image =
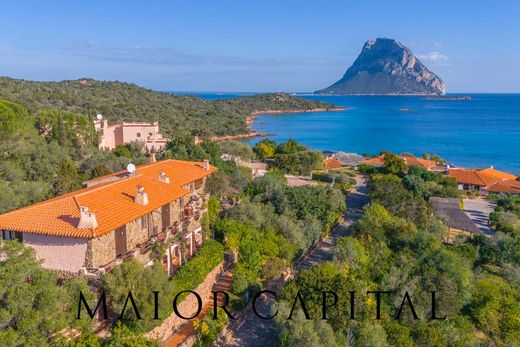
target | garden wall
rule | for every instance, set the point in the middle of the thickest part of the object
(187, 307)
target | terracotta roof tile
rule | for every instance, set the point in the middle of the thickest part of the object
(408, 159)
(112, 202)
(466, 176)
(491, 175)
(376, 161)
(478, 177)
(506, 186)
(332, 163)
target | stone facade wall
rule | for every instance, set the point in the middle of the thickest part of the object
(134, 234)
(194, 225)
(201, 188)
(101, 250)
(175, 210)
(170, 324)
(155, 219)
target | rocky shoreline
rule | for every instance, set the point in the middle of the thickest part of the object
(465, 97)
(251, 119)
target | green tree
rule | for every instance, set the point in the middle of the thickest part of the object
(265, 148)
(35, 305)
(68, 178)
(494, 307)
(393, 164)
(14, 120)
(291, 146)
(243, 150)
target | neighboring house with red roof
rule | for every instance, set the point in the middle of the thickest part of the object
(504, 187)
(408, 159)
(117, 217)
(485, 181)
(331, 163)
(349, 159)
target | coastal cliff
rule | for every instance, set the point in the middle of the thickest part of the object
(387, 67)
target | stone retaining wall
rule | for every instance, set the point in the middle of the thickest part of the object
(187, 307)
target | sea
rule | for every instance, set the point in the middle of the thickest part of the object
(481, 132)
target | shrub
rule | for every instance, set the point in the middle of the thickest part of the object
(366, 169)
(322, 177)
(243, 150)
(265, 149)
(195, 271)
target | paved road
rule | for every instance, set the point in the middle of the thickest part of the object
(356, 200)
(478, 211)
(255, 332)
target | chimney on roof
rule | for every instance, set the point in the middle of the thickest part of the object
(87, 220)
(141, 197)
(206, 165)
(163, 177)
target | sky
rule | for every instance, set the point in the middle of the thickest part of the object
(255, 46)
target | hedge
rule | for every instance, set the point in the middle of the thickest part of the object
(195, 271)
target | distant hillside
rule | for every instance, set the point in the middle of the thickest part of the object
(119, 101)
(386, 66)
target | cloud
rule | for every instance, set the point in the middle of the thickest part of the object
(170, 56)
(437, 45)
(434, 58)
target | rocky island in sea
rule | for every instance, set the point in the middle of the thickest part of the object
(386, 67)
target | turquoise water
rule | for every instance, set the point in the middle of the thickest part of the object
(479, 132)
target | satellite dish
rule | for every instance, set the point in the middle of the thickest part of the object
(131, 168)
(99, 116)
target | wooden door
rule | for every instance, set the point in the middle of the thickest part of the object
(120, 236)
(165, 212)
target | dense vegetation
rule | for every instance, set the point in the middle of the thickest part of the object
(273, 225)
(34, 302)
(342, 180)
(396, 247)
(289, 157)
(39, 308)
(51, 152)
(119, 101)
(502, 253)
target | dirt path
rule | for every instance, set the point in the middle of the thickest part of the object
(251, 331)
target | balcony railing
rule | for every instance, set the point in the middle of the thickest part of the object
(174, 229)
(146, 246)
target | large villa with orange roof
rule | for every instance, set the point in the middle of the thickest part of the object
(117, 217)
(485, 181)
